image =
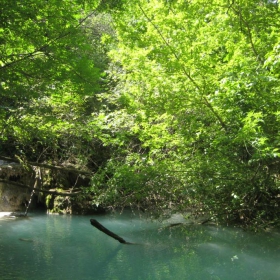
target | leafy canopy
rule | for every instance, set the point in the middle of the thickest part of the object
(198, 87)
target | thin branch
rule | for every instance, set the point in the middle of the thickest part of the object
(48, 166)
(42, 48)
(34, 189)
(26, 56)
(249, 33)
(188, 75)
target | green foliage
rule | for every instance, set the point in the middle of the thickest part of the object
(51, 63)
(198, 86)
(174, 104)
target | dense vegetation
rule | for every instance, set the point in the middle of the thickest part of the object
(174, 105)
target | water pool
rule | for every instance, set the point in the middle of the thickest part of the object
(69, 247)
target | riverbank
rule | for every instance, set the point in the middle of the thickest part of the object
(5, 214)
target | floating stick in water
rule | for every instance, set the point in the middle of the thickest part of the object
(26, 240)
(108, 232)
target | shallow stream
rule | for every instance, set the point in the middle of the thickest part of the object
(69, 247)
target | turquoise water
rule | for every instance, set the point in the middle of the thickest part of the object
(68, 247)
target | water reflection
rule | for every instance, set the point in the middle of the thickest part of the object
(68, 247)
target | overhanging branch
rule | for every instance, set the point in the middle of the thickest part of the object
(43, 47)
(48, 166)
(38, 190)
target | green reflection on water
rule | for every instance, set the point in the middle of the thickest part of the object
(68, 247)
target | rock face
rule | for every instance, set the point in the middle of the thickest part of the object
(12, 198)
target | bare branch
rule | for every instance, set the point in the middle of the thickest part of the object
(48, 166)
(38, 190)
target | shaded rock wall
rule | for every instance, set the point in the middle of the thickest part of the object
(13, 198)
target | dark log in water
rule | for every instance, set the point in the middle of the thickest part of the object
(26, 240)
(17, 215)
(108, 232)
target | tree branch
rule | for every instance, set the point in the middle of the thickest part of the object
(249, 33)
(36, 189)
(42, 48)
(187, 74)
(108, 232)
(48, 166)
